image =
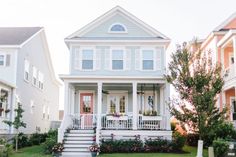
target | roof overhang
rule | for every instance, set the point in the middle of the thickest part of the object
(227, 38)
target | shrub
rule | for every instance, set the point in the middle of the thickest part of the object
(23, 141)
(220, 147)
(7, 148)
(37, 139)
(192, 139)
(178, 142)
(157, 145)
(112, 146)
(225, 131)
(51, 140)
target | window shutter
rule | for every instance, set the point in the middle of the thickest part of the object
(158, 58)
(97, 60)
(77, 59)
(8, 59)
(138, 59)
(127, 59)
(107, 59)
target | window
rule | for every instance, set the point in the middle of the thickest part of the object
(147, 60)
(44, 111)
(41, 79)
(2, 60)
(3, 102)
(117, 103)
(32, 106)
(26, 72)
(48, 111)
(35, 73)
(87, 59)
(117, 60)
(117, 28)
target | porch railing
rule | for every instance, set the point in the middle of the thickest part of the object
(229, 73)
(149, 122)
(84, 121)
(117, 123)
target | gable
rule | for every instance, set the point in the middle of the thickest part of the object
(103, 29)
(99, 28)
(231, 24)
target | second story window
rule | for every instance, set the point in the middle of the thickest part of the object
(35, 73)
(41, 80)
(26, 70)
(44, 111)
(117, 59)
(87, 59)
(147, 60)
(2, 60)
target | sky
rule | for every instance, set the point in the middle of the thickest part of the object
(180, 20)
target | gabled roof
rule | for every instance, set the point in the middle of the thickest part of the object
(225, 23)
(78, 34)
(16, 35)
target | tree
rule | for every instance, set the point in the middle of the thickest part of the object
(198, 82)
(17, 123)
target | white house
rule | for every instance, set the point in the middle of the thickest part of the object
(116, 82)
(27, 76)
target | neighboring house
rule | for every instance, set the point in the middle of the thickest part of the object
(27, 77)
(222, 44)
(116, 82)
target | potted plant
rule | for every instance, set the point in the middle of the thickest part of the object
(94, 149)
(57, 149)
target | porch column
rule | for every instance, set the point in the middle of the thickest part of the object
(66, 99)
(135, 106)
(162, 105)
(13, 106)
(99, 111)
(234, 52)
(167, 110)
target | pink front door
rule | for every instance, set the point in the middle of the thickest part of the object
(86, 110)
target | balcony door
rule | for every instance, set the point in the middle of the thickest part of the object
(86, 110)
(118, 103)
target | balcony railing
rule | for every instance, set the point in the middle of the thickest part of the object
(229, 73)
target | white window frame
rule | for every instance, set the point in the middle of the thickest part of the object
(36, 77)
(154, 58)
(124, 58)
(117, 94)
(40, 80)
(4, 59)
(26, 70)
(94, 57)
(6, 104)
(119, 32)
(44, 111)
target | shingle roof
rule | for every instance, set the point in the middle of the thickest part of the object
(16, 35)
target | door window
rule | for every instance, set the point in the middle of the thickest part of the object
(117, 103)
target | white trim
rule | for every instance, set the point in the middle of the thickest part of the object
(231, 107)
(124, 58)
(110, 13)
(4, 59)
(224, 23)
(118, 32)
(226, 39)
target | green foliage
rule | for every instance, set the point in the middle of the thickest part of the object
(225, 131)
(198, 82)
(157, 145)
(37, 139)
(51, 140)
(23, 141)
(178, 141)
(192, 140)
(6, 150)
(220, 147)
(112, 146)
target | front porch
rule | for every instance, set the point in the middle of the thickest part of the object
(119, 107)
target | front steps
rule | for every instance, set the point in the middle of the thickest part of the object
(77, 143)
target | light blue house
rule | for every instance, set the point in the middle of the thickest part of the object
(116, 82)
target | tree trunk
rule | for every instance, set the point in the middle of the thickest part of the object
(16, 140)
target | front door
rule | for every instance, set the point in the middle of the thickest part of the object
(117, 103)
(86, 110)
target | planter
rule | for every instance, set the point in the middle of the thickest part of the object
(159, 118)
(93, 154)
(117, 118)
(57, 154)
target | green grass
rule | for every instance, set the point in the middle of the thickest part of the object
(192, 153)
(34, 151)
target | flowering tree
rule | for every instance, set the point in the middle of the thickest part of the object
(198, 82)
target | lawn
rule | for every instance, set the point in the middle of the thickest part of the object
(36, 151)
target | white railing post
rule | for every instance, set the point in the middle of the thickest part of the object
(99, 111)
(135, 112)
